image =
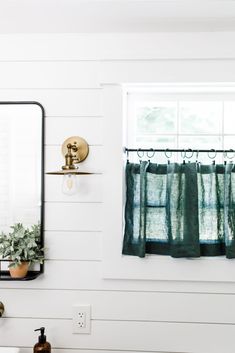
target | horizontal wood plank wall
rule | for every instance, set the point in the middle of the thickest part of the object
(63, 73)
(152, 306)
(123, 335)
(123, 46)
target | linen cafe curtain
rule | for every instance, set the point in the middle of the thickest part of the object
(181, 210)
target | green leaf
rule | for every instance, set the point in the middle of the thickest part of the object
(22, 244)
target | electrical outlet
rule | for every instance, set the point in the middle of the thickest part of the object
(81, 319)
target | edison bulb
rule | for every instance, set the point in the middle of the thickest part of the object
(69, 185)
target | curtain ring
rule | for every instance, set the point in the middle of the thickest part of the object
(192, 153)
(153, 153)
(226, 154)
(166, 151)
(138, 153)
(215, 153)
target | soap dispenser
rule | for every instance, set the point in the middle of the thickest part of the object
(42, 346)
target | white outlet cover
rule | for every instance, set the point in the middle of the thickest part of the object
(81, 319)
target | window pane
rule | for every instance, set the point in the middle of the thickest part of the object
(229, 142)
(200, 142)
(156, 118)
(200, 117)
(155, 141)
(229, 117)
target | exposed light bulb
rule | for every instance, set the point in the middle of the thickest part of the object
(69, 185)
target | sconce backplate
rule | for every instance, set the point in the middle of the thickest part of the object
(80, 143)
(1, 309)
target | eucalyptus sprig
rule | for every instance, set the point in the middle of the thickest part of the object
(22, 244)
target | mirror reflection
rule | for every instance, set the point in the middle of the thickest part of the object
(21, 129)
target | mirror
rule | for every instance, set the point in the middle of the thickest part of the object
(21, 164)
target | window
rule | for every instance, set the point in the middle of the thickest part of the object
(182, 210)
(160, 268)
(184, 117)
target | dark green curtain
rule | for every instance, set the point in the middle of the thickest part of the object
(181, 210)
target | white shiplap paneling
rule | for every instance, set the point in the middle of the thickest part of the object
(119, 335)
(73, 245)
(90, 128)
(176, 307)
(87, 275)
(168, 71)
(73, 216)
(60, 102)
(49, 75)
(121, 46)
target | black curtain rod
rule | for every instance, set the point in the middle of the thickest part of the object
(175, 150)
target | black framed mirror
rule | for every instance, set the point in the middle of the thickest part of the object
(21, 172)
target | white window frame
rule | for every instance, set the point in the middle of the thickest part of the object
(152, 267)
(138, 97)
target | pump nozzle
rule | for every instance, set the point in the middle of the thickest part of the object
(42, 337)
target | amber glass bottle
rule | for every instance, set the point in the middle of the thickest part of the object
(42, 346)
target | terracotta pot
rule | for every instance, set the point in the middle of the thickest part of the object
(19, 271)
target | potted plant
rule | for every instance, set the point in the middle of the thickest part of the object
(22, 247)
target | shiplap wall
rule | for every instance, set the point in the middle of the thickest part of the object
(64, 73)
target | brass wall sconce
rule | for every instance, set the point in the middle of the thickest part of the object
(1, 309)
(75, 150)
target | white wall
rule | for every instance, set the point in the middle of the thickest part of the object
(64, 73)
